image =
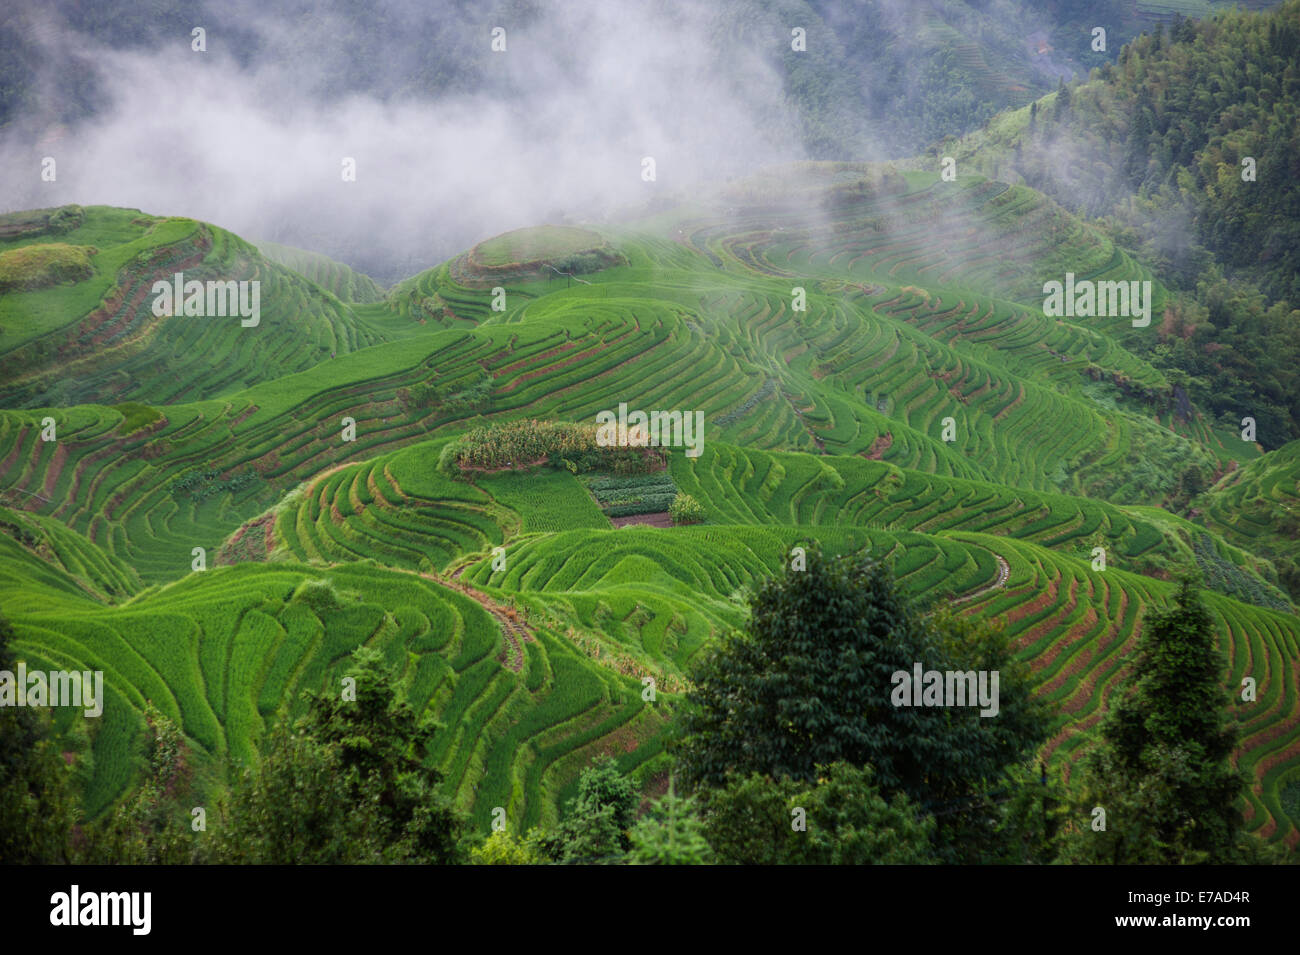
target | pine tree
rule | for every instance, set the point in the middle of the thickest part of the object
(1062, 100)
(1163, 774)
(671, 833)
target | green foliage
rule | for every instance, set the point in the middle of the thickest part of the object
(810, 682)
(686, 510)
(502, 848)
(37, 803)
(31, 267)
(1228, 578)
(533, 244)
(448, 465)
(198, 486)
(299, 808)
(473, 394)
(1032, 816)
(845, 820)
(154, 825)
(671, 833)
(350, 782)
(596, 822)
(1258, 507)
(36, 222)
(136, 416)
(73, 328)
(1162, 773)
(906, 324)
(524, 444)
(1157, 144)
(320, 595)
(640, 494)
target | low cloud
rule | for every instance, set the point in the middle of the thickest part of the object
(581, 95)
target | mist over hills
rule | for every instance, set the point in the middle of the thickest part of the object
(454, 142)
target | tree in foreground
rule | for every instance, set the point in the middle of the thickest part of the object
(671, 833)
(1163, 774)
(596, 823)
(37, 806)
(154, 825)
(349, 782)
(839, 819)
(810, 683)
(298, 807)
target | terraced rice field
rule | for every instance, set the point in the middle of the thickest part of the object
(867, 382)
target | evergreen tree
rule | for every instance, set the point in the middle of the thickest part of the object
(380, 739)
(1162, 773)
(596, 823)
(1062, 100)
(671, 833)
(811, 683)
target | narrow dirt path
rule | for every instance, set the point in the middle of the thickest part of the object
(513, 628)
(1004, 572)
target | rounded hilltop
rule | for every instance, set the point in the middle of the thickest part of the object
(537, 251)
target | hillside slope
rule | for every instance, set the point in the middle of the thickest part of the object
(98, 337)
(870, 358)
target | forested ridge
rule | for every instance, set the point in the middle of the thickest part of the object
(1187, 149)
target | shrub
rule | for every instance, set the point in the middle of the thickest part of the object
(32, 267)
(422, 394)
(318, 595)
(686, 510)
(448, 460)
(66, 218)
(501, 848)
(473, 393)
(849, 821)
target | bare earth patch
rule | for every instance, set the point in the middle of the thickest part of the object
(653, 519)
(879, 447)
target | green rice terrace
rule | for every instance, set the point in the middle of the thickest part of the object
(417, 470)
